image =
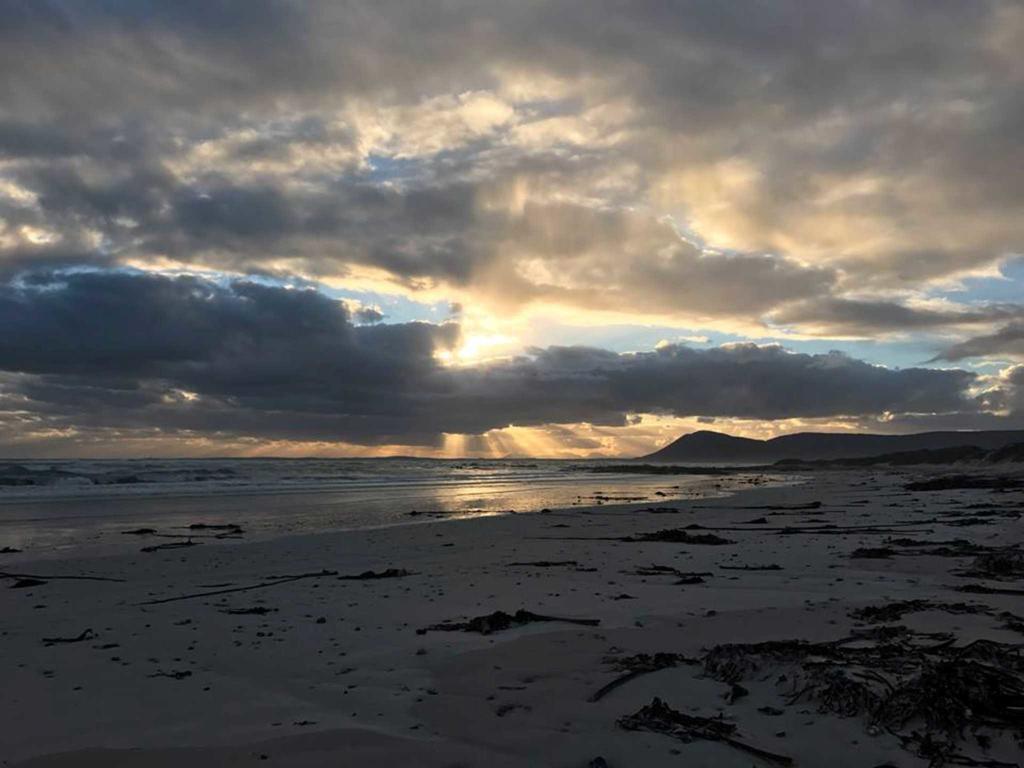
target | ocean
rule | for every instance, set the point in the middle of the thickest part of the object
(83, 507)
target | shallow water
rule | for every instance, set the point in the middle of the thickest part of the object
(82, 507)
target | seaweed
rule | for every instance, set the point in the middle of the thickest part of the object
(872, 553)
(641, 664)
(956, 482)
(269, 583)
(499, 621)
(680, 536)
(1001, 563)
(659, 717)
(170, 545)
(896, 610)
(939, 689)
(768, 567)
(389, 573)
(684, 577)
(85, 634)
(257, 610)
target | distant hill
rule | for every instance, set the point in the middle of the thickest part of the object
(959, 454)
(708, 446)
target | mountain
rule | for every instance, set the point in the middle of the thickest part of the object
(708, 446)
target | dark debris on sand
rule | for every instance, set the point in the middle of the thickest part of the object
(956, 482)
(1001, 563)
(768, 567)
(173, 674)
(499, 621)
(257, 610)
(25, 583)
(389, 573)
(927, 693)
(897, 610)
(680, 536)
(659, 717)
(682, 577)
(170, 545)
(86, 634)
(638, 665)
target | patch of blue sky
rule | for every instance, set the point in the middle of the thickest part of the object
(395, 308)
(382, 169)
(1009, 287)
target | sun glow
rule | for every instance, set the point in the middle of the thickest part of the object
(477, 348)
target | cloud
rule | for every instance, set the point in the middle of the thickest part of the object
(1007, 341)
(90, 351)
(817, 168)
(867, 317)
(510, 153)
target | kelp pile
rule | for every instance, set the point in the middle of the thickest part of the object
(923, 688)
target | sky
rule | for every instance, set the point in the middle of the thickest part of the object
(447, 228)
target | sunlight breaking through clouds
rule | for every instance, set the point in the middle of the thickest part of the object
(824, 176)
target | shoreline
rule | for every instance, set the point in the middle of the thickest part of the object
(88, 533)
(363, 687)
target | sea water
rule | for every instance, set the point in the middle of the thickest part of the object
(84, 506)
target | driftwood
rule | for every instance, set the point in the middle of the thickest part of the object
(500, 621)
(263, 585)
(659, 717)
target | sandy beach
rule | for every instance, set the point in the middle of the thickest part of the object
(329, 669)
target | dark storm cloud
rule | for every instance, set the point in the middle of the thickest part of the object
(1007, 341)
(237, 339)
(125, 351)
(741, 381)
(859, 316)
